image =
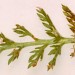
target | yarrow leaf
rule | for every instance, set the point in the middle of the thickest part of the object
(55, 43)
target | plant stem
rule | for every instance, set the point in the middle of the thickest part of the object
(38, 42)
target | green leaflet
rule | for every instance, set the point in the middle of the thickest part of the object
(37, 54)
(6, 40)
(23, 31)
(14, 55)
(55, 51)
(46, 21)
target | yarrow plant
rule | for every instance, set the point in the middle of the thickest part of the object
(55, 43)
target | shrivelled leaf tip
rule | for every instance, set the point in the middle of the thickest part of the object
(50, 66)
(65, 8)
(72, 54)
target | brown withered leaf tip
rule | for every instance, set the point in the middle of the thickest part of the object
(73, 53)
(50, 66)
